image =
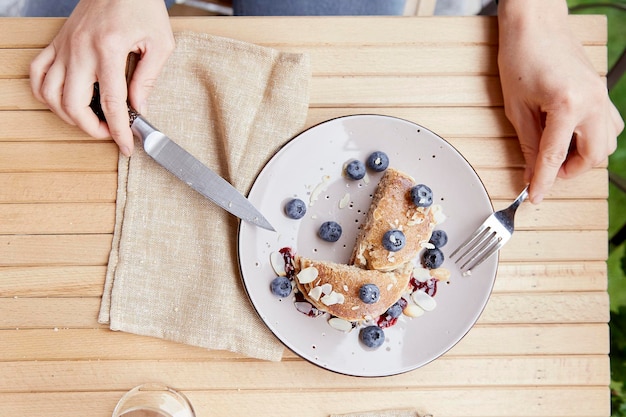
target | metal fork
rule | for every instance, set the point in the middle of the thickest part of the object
(488, 238)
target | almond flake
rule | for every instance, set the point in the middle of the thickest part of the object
(307, 275)
(332, 299)
(340, 324)
(412, 310)
(278, 263)
(315, 293)
(421, 274)
(424, 300)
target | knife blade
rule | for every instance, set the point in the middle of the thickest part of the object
(188, 168)
(194, 173)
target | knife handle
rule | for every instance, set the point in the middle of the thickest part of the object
(96, 106)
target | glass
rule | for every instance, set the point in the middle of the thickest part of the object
(153, 400)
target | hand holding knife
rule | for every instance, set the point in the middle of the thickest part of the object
(187, 168)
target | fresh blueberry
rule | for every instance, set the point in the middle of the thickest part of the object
(369, 293)
(378, 161)
(330, 231)
(295, 209)
(432, 258)
(422, 195)
(394, 240)
(439, 238)
(355, 170)
(281, 287)
(394, 311)
(372, 336)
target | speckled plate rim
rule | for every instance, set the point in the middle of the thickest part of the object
(409, 343)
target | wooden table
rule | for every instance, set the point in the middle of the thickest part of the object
(539, 349)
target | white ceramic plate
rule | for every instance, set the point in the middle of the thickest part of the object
(316, 157)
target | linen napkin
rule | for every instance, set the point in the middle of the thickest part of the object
(385, 413)
(173, 269)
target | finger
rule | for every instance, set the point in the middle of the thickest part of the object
(113, 100)
(528, 128)
(145, 76)
(39, 68)
(52, 91)
(553, 149)
(77, 95)
(590, 147)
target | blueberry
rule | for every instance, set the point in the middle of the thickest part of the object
(422, 195)
(355, 170)
(394, 240)
(281, 287)
(372, 336)
(394, 311)
(330, 231)
(432, 258)
(439, 238)
(295, 209)
(378, 161)
(369, 293)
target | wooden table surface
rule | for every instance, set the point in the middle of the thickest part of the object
(539, 349)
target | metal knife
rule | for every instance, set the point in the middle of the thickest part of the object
(188, 169)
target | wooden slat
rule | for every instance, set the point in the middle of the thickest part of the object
(101, 187)
(103, 344)
(331, 90)
(458, 372)
(42, 250)
(72, 218)
(334, 60)
(476, 122)
(433, 91)
(88, 281)
(551, 276)
(51, 281)
(507, 401)
(537, 246)
(539, 308)
(507, 185)
(58, 187)
(15, 63)
(37, 125)
(57, 218)
(528, 246)
(31, 33)
(63, 156)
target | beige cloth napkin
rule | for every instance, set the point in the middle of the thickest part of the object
(173, 270)
(385, 413)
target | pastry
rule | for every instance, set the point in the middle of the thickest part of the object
(392, 209)
(335, 288)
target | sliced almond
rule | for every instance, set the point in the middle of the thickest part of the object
(307, 275)
(412, 310)
(278, 263)
(332, 299)
(424, 300)
(340, 324)
(421, 274)
(315, 293)
(442, 274)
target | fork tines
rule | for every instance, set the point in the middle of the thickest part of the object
(480, 246)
